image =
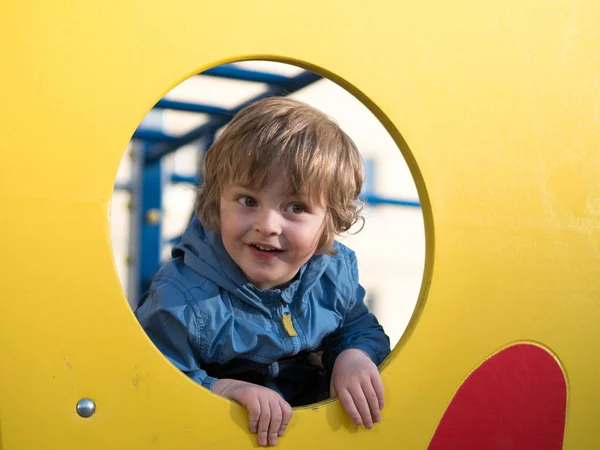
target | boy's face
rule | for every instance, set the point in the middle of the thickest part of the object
(270, 233)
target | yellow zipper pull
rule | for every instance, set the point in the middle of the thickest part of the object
(288, 325)
(286, 318)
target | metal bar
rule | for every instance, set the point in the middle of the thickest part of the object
(191, 107)
(377, 200)
(301, 80)
(176, 178)
(237, 73)
(369, 184)
(162, 149)
(150, 135)
(150, 219)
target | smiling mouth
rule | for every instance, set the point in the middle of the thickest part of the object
(266, 249)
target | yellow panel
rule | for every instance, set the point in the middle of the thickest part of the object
(499, 105)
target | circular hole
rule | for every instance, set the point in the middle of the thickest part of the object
(155, 187)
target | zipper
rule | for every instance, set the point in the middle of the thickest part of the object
(288, 325)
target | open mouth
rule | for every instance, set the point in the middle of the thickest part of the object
(263, 248)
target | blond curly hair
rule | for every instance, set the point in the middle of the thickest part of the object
(305, 146)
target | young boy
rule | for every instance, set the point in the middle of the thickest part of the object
(258, 288)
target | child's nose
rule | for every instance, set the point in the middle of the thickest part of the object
(268, 222)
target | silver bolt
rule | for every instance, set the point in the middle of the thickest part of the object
(85, 407)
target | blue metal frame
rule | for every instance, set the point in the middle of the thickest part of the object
(154, 144)
(372, 199)
(237, 73)
(171, 144)
(191, 107)
(150, 219)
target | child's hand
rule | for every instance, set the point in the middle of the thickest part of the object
(268, 413)
(356, 382)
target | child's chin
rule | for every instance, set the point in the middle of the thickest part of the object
(265, 282)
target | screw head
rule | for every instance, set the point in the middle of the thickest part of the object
(85, 407)
(153, 216)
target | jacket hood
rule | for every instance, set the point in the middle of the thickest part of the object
(204, 253)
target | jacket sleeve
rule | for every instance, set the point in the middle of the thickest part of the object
(360, 329)
(172, 325)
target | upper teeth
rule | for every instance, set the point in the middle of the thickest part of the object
(268, 249)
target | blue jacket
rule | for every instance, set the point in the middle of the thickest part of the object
(204, 315)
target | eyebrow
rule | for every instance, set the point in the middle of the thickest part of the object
(240, 187)
(301, 197)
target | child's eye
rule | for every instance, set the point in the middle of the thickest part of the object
(296, 208)
(247, 201)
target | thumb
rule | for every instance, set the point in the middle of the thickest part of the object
(332, 391)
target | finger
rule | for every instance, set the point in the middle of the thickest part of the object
(253, 408)
(332, 390)
(378, 386)
(360, 401)
(263, 422)
(348, 404)
(287, 411)
(276, 419)
(372, 400)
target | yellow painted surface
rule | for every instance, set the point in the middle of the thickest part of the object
(495, 105)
